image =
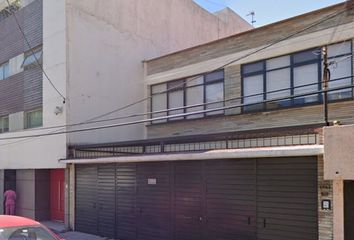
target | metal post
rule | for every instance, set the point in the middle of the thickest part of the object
(325, 84)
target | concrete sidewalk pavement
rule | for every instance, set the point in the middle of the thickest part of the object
(60, 229)
(79, 236)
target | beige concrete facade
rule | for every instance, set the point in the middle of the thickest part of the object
(337, 163)
(338, 210)
(339, 152)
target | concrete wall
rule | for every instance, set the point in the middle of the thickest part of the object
(25, 189)
(44, 152)
(325, 192)
(339, 152)
(33, 198)
(107, 42)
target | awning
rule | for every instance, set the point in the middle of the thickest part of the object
(265, 152)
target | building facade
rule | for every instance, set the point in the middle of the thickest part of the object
(91, 52)
(237, 144)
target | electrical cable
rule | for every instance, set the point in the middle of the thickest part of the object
(33, 53)
(176, 115)
(188, 106)
(326, 18)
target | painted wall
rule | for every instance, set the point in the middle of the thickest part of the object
(43, 152)
(107, 43)
(339, 152)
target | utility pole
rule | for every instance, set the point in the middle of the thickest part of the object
(326, 76)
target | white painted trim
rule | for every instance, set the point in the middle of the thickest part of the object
(295, 44)
(287, 151)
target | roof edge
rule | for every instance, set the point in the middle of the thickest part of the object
(252, 30)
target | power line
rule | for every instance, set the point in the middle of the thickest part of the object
(178, 115)
(327, 17)
(188, 106)
(33, 53)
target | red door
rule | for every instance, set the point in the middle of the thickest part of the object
(57, 194)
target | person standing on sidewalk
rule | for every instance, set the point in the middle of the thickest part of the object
(10, 202)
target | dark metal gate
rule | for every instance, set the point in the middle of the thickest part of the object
(153, 201)
(189, 213)
(199, 200)
(86, 199)
(349, 210)
(287, 199)
(231, 200)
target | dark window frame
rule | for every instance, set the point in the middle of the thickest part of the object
(185, 88)
(292, 66)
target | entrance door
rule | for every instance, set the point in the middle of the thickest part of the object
(57, 194)
(10, 180)
(188, 189)
(349, 210)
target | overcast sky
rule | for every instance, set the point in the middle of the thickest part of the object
(267, 11)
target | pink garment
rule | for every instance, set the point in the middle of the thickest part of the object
(10, 202)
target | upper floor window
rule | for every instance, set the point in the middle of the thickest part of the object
(296, 74)
(33, 119)
(187, 96)
(4, 71)
(31, 58)
(4, 124)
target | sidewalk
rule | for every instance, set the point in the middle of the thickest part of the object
(61, 231)
(79, 236)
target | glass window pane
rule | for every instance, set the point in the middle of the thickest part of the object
(340, 70)
(214, 92)
(158, 88)
(193, 81)
(253, 92)
(277, 80)
(253, 67)
(31, 58)
(214, 76)
(175, 100)
(159, 102)
(195, 95)
(6, 70)
(1, 72)
(278, 62)
(339, 49)
(304, 75)
(307, 56)
(6, 124)
(175, 85)
(34, 119)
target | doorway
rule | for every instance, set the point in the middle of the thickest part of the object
(57, 194)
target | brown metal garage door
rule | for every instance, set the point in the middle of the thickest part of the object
(287, 199)
(265, 199)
